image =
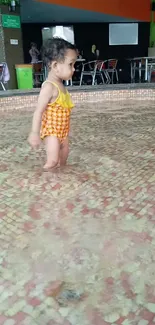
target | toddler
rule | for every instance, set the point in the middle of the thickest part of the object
(51, 119)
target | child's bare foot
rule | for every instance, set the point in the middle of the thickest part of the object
(50, 167)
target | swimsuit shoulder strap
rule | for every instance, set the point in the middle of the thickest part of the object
(52, 82)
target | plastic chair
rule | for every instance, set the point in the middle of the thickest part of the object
(102, 68)
(77, 73)
(2, 68)
(112, 68)
(92, 69)
(38, 73)
(151, 69)
(68, 82)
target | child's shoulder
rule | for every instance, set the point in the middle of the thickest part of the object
(48, 84)
(50, 87)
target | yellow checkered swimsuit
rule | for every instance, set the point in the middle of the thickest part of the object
(56, 117)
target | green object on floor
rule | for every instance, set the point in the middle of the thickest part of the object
(24, 75)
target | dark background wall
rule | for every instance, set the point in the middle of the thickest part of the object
(96, 33)
(13, 53)
(88, 34)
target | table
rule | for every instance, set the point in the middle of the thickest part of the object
(146, 59)
(80, 60)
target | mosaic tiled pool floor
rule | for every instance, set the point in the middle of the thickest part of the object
(78, 245)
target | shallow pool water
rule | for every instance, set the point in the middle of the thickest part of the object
(77, 245)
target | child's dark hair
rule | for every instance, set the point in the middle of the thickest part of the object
(54, 49)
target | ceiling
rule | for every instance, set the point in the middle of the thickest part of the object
(33, 11)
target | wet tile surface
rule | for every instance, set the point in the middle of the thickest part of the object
(77, 245)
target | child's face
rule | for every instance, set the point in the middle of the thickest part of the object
(65, 70)
(34, 46)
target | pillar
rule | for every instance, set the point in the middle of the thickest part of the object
(2, 44)
(152, 28)
(11, 47)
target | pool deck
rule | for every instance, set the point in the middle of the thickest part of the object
(78, 245)
(75, 89)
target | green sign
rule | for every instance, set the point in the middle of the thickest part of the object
(11, 21)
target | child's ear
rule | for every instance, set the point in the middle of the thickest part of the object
(54, 65)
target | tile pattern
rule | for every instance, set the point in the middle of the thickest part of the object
(28, 101)
(77, 245)
(142, 89)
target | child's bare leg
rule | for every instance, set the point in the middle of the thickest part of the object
(64, 151)
(52, 144)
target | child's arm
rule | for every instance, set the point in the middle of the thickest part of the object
(43, 100)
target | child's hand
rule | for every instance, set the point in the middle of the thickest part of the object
(34, 140)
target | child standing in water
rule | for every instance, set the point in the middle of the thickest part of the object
(51, 120)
